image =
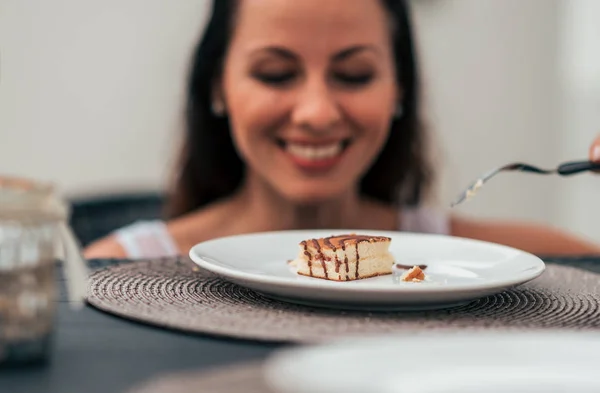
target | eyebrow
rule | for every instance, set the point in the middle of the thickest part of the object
(353, 50)
(342, 55)
(277, 50)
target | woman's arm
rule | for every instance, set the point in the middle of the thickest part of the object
(107, 247)
(533, 238)
(536, 239)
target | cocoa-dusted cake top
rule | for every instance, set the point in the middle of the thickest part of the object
(341, 241)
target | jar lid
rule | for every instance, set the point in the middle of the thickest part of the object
(24, 199)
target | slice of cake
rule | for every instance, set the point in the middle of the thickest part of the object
(345, 257)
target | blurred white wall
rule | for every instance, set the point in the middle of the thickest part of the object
(91, 95)
(579, 81)
(490, 85)
(91, 90)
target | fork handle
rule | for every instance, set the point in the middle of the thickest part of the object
(574, 167)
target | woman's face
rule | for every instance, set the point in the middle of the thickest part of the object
(310, 90)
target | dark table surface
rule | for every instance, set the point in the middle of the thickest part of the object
(95, 352)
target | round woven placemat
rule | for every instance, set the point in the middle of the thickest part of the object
(176, 294)
(241, 378)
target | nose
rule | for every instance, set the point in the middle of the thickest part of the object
(316, 109)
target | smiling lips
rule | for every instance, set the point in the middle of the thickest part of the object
(312, 156)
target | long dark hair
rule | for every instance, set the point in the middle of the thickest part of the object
(209, 167)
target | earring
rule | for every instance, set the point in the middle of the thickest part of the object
(218, 108)
(399, 111)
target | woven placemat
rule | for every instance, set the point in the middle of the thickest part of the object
(240, 378)
(175, 294)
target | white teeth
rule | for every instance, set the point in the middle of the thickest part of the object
(313, 152)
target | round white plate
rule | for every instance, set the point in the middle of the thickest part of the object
(550, 362)
(458, 270)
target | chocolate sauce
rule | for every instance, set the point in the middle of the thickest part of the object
(320, 256)
(408, 267)
(329, 244)
(357, 258)
(341, 243)
(305, 245)
(346, 261)
(341, 239)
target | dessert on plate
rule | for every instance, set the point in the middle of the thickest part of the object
(345, 257)
(414, 274)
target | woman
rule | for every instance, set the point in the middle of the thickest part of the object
(304, 114)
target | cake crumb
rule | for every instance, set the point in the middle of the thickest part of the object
(415, 275)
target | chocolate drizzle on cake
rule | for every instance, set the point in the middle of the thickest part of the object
(328, 251)
(357, 259)
(346, 261)
(320, 256)
(341, 240)
(329, 244)
(305, 245)
(408, 267)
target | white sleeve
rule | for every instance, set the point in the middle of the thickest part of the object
(147, 239)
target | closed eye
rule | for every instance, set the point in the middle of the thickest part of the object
(360, 79)
(275, 78)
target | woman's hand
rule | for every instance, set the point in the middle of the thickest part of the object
(595, 150)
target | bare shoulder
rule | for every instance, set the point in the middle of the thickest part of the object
(107, 247)
(531, 237)
(201, 225)
(184, 231)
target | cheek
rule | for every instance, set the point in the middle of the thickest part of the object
(372, 113)
(254, 113)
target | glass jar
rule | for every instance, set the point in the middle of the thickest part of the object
(33, 235)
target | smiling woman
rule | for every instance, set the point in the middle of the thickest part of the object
(306, 100)
(304, 114)
(308, 84)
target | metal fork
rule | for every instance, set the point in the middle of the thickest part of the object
(565, 169)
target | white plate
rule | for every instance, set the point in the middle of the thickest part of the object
(549, 362)
(459, 270)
